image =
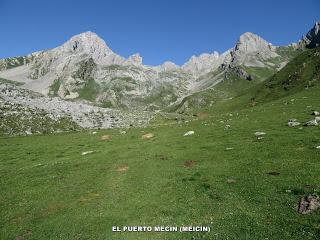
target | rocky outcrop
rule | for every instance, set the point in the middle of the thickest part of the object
(81, 113)
(252, 51)
(135, 60)
(312, 38)
(203, 63)
(168, 66)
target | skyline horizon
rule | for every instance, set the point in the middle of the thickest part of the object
(159, 32)
(168, 60)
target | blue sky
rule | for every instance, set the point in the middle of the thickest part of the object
(159, 30)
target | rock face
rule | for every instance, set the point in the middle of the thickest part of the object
(203, 63)
(90, 44)
(168, 66)
(312, 38)
(251, 51)
(135, 60)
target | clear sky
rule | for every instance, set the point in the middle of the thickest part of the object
(159, 30)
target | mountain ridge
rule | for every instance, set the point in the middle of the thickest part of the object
(84, 67)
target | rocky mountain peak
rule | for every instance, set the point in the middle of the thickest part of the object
(134, 59)
(168, 66)
(251, 42)
(202, 63)
(91, 44)
(87, 42)
(251, 50)
(312, 38)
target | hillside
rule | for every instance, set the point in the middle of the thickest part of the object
(222, 177)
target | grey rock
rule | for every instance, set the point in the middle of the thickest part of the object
(293, 122)
(312, 38)
(312, 122)
(309, 204)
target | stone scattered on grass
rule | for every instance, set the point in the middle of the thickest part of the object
(94, 133)
(227, 127)
(229, 148)
(231, 180)
(123, 132)
(28, 132)
(312, 122)
(122, 168)
(309, 204)
(316, 113)
(106, 137)
(318, 147)
(189, 133)
(293, 122)
(86, 153)
(147, 136)
(259, 134)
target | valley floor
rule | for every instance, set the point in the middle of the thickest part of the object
(222, 177)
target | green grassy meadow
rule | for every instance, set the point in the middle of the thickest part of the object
(49, 190)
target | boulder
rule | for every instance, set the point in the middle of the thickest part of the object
(309, 204)
(259, 134)
(86, 153)
(312, 122)
(189, 133)
(293, 122)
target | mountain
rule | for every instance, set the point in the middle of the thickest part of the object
(87, 77)
(86, 68)
(312, 38)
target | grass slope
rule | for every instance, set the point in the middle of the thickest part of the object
(49, 191)
(301, 73)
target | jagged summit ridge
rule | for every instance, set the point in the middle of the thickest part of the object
(91, 44)
(134, 59)
(202, 63)
(85, 67)
(251, 50)
(312, 38)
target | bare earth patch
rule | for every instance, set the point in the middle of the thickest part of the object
(106, 137)
(147, 136)
(51, 209)
(161, 157)
(24, 236)
(202, 115)
(122, 168)
(189, 163)
(89, 197)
